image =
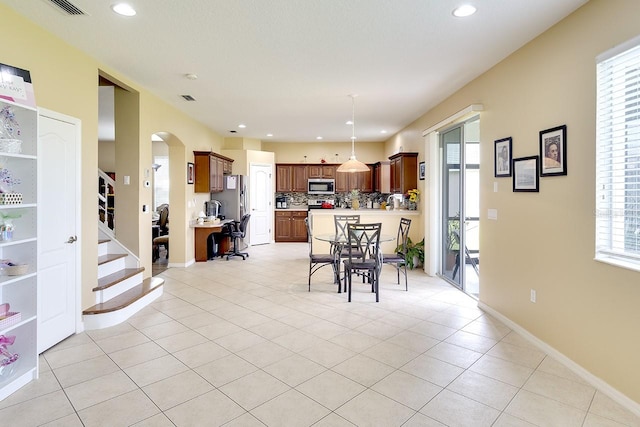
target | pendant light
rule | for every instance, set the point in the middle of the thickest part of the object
(353, 164)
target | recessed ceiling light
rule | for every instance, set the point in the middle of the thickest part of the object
(318, 137)
(349, 122)
(123, 9)
(464, 11)
(241, 126)
(269, 135)
(191, 76)
(383, 131)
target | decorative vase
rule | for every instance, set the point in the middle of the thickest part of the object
(413, 206)
(355, 204)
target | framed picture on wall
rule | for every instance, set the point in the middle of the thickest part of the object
(525, 174)
(502, 157)
(190, 173)
(553, 151)
(421, 171)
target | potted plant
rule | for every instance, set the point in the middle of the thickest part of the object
(415, 253)
(453, 243)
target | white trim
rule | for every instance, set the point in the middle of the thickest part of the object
(596, 382)
(622, 47)
(456, 117)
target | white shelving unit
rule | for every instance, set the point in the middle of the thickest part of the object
(21, 291)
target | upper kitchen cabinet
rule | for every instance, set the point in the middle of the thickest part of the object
(347, 181)
(209, 171)
(322, 171)
(404, 172)
(291, 178)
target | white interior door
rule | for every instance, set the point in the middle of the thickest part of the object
(260, 195)
(58, 220)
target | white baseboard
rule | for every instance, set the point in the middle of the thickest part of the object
(596, 382)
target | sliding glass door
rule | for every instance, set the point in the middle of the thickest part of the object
(460, 148)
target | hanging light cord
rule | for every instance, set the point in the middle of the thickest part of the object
(353, 126)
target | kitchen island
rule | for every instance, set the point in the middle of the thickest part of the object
(321, 221)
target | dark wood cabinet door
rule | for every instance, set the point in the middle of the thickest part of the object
(342, 182)
(328, 171)
(283, 178)
(300, 177)
(315, 171)
(298, 228)
(283, 227)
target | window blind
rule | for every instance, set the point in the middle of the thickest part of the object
(618, 154)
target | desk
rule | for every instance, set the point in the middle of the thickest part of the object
(338, 242)
(202, 233)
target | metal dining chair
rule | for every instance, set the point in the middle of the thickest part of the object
(399, 258)
(363, 255)
(317, 261)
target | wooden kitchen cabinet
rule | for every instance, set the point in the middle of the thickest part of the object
(322, 171)
(291, 178)
(347, 181)
(209, 171)
(290, 226)
(403, 172)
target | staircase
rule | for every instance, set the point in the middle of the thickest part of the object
(121, 291)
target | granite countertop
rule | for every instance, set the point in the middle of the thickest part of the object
(293, 208)
(364, 211)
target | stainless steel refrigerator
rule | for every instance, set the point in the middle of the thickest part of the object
(234, 198)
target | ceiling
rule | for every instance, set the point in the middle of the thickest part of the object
(287, 67)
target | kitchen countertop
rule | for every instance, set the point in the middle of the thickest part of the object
(293, 208)
(363, 211)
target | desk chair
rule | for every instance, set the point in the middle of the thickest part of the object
(163, 233)
(317, 261)
(399, 259)
(364, 256)
(237, 230)
(472, 260)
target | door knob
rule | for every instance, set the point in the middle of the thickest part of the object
(72, 239)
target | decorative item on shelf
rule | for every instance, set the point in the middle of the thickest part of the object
(6, 224)
(413, 197)
(7, 181)
(8, 268)
(8, 360)
(322, 160)
(355, 201)
(9, 131)
(8, 317)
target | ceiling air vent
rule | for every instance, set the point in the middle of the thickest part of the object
(188, 97)
(66, 7)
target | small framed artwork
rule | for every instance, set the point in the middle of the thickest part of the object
(421, 171)
(525, 174)
(502, 157)
(190, 173)
(553, 151)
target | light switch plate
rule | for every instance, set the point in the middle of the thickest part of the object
(492, 214)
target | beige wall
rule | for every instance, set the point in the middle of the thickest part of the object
(290, 152)
(65, 80)
(545, 241)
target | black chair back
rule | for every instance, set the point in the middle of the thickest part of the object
(341, 222)
(242, 227)
(403, 235)
(163, 211)
(364, 243)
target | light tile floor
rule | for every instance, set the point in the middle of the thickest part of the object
(242, 343)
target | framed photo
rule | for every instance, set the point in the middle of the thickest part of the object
(190, 173)
(553, 151)
(421, 171)
(502, 157)
(525, 174)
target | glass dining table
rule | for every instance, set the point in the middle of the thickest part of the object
(338, 243)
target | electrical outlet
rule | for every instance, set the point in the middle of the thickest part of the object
(533, 295)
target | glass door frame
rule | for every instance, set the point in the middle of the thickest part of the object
(448, 241)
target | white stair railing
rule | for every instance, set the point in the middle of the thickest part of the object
(106, 200)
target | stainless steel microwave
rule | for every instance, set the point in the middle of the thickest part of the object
(321, 186)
